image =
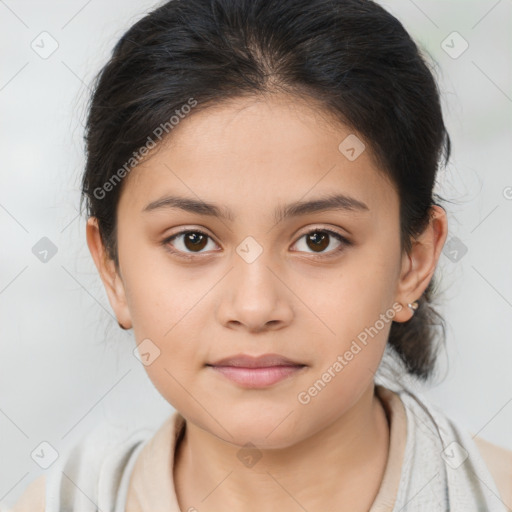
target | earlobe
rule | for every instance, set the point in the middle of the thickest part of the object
(419, 264)
(109, 275)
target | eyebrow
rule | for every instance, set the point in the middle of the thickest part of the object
(336, 202)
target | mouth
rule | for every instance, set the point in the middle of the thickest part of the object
(257, 372)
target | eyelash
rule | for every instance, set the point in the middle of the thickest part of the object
(344, 243)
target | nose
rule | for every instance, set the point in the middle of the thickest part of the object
(254, 297)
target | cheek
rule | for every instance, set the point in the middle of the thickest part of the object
(355, 297)
(355, 313)
(172, 375)
(348, 357)
(170, 320)
(159, 294)
(165, 308)
(167, 326)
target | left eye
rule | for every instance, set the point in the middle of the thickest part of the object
(320, 239)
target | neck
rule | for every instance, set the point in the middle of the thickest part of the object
(341, 464)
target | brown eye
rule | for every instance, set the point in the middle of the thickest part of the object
(187, 242)
(194, 241)
(319, 240)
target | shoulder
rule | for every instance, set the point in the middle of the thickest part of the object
(499, 462)
(496, 459)
(96, 468)
(33, 498)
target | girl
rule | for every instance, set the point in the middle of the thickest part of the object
(259, 189)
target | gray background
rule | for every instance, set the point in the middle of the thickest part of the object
(65, 365)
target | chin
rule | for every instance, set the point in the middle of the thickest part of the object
(264, 433)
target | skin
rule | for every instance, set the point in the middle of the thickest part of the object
(251, 155)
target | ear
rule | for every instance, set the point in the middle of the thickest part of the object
(109, 273)
(419, 265)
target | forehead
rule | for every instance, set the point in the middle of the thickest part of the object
(255, 151)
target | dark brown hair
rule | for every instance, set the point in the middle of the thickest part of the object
(351, 56)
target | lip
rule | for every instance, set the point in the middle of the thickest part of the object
(256, 372)
(248, 361)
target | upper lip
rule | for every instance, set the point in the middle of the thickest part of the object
(247, 361)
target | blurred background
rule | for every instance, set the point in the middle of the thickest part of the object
(65, 365)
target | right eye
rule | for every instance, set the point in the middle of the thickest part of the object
(192, 240)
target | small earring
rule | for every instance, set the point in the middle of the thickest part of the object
(122, 326)
(413, 306)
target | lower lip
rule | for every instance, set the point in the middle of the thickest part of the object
(257, 377)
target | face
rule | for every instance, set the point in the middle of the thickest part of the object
(250, 275)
